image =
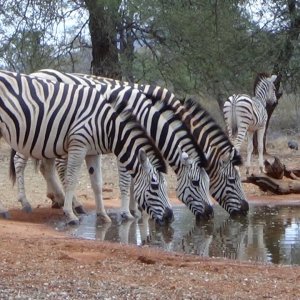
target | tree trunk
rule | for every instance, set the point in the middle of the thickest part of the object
(274, 181)
(103, 24)
(284, 57)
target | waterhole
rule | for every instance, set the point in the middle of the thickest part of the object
(268, 234)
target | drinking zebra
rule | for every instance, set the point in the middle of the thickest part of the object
(45, 120)
(171, 136)
(222, 157)
(225, 182)
(245, 115)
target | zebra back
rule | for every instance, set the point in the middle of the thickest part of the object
(85, 124)
(161, 98)
(134, 130)
(172, 137)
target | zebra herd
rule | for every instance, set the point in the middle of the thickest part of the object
(63, 119)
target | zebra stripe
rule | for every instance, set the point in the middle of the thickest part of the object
(223, 158)
(245, 115)
(225, 182)
(170, 134)
(46, 120)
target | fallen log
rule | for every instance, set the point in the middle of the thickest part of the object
(276, 186)
(277, 178)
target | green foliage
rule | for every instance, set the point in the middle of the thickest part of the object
(209, 46)
(198, 48)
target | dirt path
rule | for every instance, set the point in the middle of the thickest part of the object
(38, 262)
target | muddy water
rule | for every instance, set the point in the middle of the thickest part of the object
(267, 234)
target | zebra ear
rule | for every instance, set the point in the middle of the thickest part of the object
(234, 157)
(144, 160)
(185, 159)
(273, 78)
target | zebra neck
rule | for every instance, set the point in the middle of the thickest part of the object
(260, 100)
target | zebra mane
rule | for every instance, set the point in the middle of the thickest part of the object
(259, 77)
(209, 123)
(130, 120)
(172, 118)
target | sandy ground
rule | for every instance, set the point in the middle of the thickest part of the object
(38, 262)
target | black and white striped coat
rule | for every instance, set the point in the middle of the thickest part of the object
(245, 115)
(222, 157)
(169, 133)
(46, 120)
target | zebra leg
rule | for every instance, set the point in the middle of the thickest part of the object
(133, 206)
(93, 163)
(260, 142)
(145, 233)
(249, 150)
(124, 185)
(61, 166)
(19, 165)
(4, 212)
(75, 158)
(54, 190)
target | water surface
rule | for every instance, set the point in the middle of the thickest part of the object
(267, 234)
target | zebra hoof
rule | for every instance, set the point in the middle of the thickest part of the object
(126, 216)
(136, 213)
(71, 219)
(56, 205)
(73, 222)
(80, 210)
(27, 209)
(5, 215)
(104, 218)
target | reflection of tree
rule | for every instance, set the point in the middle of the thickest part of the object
(274, 226)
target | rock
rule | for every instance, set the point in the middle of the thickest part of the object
(293, 145)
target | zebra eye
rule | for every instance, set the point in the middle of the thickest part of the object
(154, 185)
(195, 182)
(231, 180)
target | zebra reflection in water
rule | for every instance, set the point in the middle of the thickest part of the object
(263, 236)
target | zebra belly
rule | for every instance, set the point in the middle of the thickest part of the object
(31, 145)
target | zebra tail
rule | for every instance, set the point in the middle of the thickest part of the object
(234, 123)
(12, 169)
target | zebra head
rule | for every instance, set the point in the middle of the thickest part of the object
(265, 89)
(193, 187)
(150, 191)
(227, 187)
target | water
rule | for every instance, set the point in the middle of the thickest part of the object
(268, 234)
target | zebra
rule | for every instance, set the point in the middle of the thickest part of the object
(222, 162)
(171, 136)
(246, 115)
(222, 157)
(45, 120)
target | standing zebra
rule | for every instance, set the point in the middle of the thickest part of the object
(225, 182)
(170, 135)
(172, 139)
(245, 115)
(222, 157)
(45, 120)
